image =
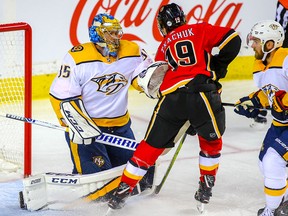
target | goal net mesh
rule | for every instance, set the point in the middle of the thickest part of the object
(12, 100)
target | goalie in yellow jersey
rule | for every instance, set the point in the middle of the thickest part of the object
(90, 95)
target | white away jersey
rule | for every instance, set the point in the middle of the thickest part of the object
(276, 73)
(102, 83)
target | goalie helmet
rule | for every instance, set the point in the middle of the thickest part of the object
(267, 30)
(106, 32)
(169, 17)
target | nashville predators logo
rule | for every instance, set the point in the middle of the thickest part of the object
(274, 26)
(99, 161)
(111, 83)
(270, 90)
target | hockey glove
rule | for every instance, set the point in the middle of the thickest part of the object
(246, 111)
(280, 101)
(249, 106)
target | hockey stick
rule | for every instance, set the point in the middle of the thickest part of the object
(252, 107)
(104, 138)
(158, 187)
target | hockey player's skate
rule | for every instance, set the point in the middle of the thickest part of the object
(146, 184)
(282, 210)
(260, 120)
(148, 179)
(204, 192)
(118, 198)
(265, 212)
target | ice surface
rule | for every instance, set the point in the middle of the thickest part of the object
(239, 185)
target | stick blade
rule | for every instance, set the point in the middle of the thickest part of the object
(157, 189)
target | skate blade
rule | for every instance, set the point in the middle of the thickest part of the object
(200, 207)
(109, 212)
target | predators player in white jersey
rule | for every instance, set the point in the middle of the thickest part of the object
(94, 79)
(271, 76)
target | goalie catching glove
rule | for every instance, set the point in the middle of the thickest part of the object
(250, 105)
(82, 129)
(151, 78)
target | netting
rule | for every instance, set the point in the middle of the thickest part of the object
(11, 100)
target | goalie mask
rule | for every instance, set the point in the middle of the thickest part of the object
(169, 17)
(268, 30)
(106, 32)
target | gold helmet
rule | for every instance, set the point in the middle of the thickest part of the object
(106, 31)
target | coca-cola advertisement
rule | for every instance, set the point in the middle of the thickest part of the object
(58, 25)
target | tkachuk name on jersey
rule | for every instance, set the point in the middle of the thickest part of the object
(117, 141)
(177, 35)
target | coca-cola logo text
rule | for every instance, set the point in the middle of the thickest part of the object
(220, 10)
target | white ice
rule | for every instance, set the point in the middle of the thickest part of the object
(239, 186)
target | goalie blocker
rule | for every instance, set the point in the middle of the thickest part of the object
(82, 129)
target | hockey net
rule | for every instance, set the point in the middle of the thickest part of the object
(15, 97)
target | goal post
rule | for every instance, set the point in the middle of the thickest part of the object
(16, 97)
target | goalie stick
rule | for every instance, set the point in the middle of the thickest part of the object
(104, 138)
(158, 187)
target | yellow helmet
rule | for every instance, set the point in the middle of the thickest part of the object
(106, 31)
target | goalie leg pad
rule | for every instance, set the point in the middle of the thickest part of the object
(61, 191)
(82, 127)
(34, 196)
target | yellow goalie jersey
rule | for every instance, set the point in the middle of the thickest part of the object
(101, 82)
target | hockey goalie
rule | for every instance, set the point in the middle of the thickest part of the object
(60, 190)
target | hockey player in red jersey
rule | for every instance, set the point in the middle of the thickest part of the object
(190, 91)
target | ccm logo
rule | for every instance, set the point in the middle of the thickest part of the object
(64, 180)
(73, 121)
(35, 181)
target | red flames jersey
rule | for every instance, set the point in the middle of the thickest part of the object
(187, 50)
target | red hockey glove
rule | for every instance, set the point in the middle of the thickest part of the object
(280, 101)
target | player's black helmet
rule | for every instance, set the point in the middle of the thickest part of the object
(169, 17)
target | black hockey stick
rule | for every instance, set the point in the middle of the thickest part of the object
(252, 107)
(158, 187)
